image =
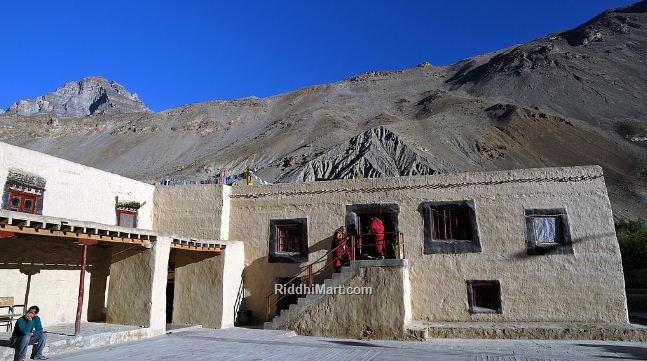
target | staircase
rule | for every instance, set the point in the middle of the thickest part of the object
(337, 279)
(307, 273)
(353, 315)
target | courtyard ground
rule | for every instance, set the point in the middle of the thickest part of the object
(251, 344)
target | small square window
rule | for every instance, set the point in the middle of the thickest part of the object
(127, 218)
(20, 201)
(451, 222)
(289, 238)
(548, 232)
(484, 296)
(288, 241)
(450, 227)
(28, 205)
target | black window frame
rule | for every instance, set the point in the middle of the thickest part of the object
(275, 256)
(564, 246)
(473, 309)
(453, 246)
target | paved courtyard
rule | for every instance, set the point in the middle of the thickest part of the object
(249, 344)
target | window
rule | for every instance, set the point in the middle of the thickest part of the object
(450, 227)
(484, 296)
(548, 232)
(127, 218)
(288, 241)
(451, 222)
(22, 201)
(289, 238)
(23, 192)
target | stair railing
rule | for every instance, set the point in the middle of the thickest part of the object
(239, 299)
(398, 244)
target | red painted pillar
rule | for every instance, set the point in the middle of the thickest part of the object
(84, 260)
(79, 307)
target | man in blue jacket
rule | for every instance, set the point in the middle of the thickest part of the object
(29, 331)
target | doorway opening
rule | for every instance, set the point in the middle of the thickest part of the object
(170, 290)
(375, 227)
(286, 300)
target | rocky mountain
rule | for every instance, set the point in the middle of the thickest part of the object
(570, 98)
(88, 96)
(378, 152)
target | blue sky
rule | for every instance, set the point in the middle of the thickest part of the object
(178, 52)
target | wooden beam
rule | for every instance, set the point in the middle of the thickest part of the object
(214, 248)
(91, 236)
(67, 234)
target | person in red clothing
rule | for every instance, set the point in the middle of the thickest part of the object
(342, 251)
(377, 228)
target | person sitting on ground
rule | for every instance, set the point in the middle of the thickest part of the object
(29, 331)
(342, 251)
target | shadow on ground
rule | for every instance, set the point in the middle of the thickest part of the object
(355, 343)
(630, 352)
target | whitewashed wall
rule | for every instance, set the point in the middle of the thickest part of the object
(78, 192)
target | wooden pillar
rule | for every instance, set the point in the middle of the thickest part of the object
(79, 307)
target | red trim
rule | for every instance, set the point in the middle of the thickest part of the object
(295, 241)
(23, 197)
(132, 213)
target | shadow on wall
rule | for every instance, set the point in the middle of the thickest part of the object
(45, 263)
(260, 277)
(184, 296)
(524, 254)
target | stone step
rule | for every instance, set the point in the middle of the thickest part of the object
(60, 344)
(419, 330)
(302, 301)
(337, 279)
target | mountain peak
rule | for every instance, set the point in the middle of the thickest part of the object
(88, 96)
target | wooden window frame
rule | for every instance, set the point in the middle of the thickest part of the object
(472, 293)
(282, 231)
(134, 213)
(23, 196)
(451, 213)
(277, 254)
(437, 241)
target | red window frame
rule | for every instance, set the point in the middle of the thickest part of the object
(288, 238)
(125, 211)
(23, 197)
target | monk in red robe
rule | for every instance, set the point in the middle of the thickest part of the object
(342, 251)
(377, 228)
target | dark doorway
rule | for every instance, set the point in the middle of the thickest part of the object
(170, 291)
(369, 240)
(359, 222)
(286, 300)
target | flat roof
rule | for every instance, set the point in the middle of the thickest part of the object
(38, 225)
